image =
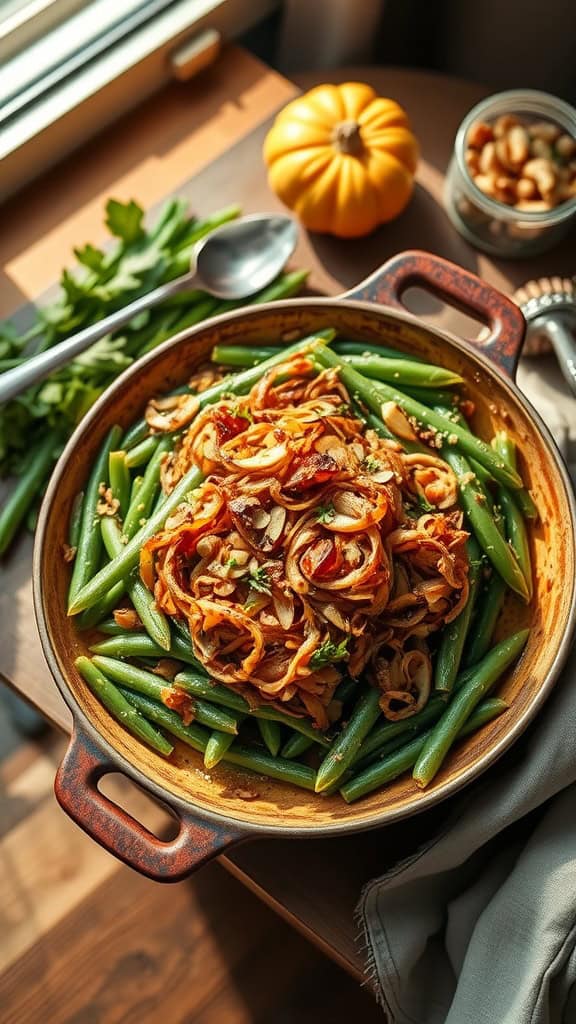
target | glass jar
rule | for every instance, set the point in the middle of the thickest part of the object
(485, 222)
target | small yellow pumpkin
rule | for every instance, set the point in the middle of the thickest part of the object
(342, 158)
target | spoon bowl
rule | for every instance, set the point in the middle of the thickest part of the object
(233, 262)
(242, 257)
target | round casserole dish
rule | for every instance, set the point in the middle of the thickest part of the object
(209, 806)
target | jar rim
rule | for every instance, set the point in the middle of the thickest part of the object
(525, 100)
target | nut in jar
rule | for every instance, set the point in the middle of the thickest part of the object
(529, 165)
(511, 185)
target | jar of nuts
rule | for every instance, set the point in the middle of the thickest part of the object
(511, 184)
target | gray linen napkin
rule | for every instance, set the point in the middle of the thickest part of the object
(479, 926)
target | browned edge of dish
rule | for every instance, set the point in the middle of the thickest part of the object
(209, 801)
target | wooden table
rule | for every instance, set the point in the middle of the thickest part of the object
(213, 128)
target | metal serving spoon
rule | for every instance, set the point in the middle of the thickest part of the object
(233, 262)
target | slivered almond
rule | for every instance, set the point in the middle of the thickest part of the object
(397, 421)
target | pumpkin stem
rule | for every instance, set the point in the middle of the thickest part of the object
(347, 138)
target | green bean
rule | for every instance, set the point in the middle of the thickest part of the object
(504, 445)
(270, 733)
(141, 453)
(199, 686)
(274, 767)
(490, 601)
(403, 371)
(216, 748)
(194, 735)
(32, 517)
(282, 287)
(386, 731)
(89, 549)
(295, 745)
(345, 347)
(245, 757)
(94, 615)
(526, 504)
(136, 485)
(482, 678)
(434, 397)
(111, 628)
(75, 521)
(454, 635)
(483, 524)
(154, 686)
(346, 745)
(346, 690)
(286, 285)
(25, 491)
(129, 644)
(240, 355)
(375, 394)
(119, 567)
(517, 535)
(134, 435)
(399, 761)
(119, 477)
(154, 621)
(140, 508)
(120, 708)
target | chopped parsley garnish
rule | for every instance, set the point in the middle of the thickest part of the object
(371, 464)
(231, 563)
(259, 580)
(325, 513)
(328, 653)
(241, 413)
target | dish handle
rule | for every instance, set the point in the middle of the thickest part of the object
(76, 788)
(459, 288)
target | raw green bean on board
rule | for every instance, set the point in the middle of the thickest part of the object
(401, 760)
(96, 586)
(119, 477)
(216, 747)
(142, 452)
(142, 681)
(296, 745)
(75, 520)
(140, 508)
(483, 524)
(483, 676)
(199, 686)
(374, 394)
(403, 372)
(455, 634)
(194, 735)
(120, 708)
(348, 742)
(26, 490)
(489, 604)
(89, 549)
(271, 735)
(154, 621)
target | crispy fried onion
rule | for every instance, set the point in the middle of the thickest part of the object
(432, 479)
(301, 553)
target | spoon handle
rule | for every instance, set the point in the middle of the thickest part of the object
(34, 369)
